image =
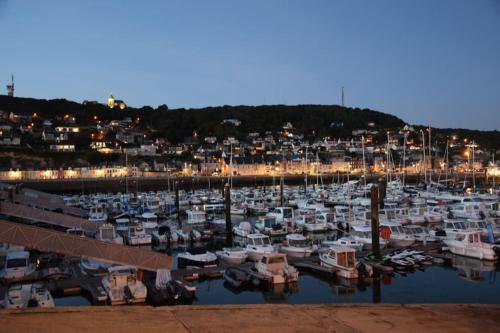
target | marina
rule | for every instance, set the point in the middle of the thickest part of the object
(300, 242)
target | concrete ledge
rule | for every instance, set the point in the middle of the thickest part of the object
(257, 318)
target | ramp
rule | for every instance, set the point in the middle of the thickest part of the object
(45, 216)
(67, 244)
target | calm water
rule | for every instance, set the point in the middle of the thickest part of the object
(465, 281)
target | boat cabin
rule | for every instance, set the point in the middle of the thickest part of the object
(345, 256)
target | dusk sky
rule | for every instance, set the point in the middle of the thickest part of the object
(426, 60)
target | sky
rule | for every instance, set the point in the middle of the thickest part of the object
(425, 61)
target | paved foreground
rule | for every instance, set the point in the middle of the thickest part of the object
(257, 318)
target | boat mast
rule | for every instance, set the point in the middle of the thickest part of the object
(404, 156)
(126, 175)
(364, 165)
(430, 155)
(446, 161)
(423, 157)
(473, 169)
(388, 160)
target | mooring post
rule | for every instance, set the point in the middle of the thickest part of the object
(282, 199)
(227, 190)
(177, 205)
(382, 184)
(375, 221)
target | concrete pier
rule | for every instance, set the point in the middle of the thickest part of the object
(257, 318)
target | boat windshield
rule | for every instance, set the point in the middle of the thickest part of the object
(16, 263)
(266, 241)
(299, 242)
(287, 213)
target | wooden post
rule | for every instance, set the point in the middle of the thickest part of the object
(227, 190)
(382, 192)
(375, 222)
(282, 199)
(177, 205)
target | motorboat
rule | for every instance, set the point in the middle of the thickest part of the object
(137, 236)
(196, 216)
(363, 234)
(163, 290)
(149, 222)
(257, 246)
(30, 295)
(469, 244)
(122, 286)
(275, 267)
(309, 223)
(240, 278)
(398, 237)
(94, 267)
(97, 214)
(420, 234)
(297, 245)
(17, 266)
(107, 233)
(346, 241)
(164, 234)
(268, 225)
(232, 255)
(196, 257)
(7, 247)
(342, 260)
(243, 229)
(283, 215)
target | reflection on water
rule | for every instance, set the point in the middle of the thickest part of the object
(466, 281)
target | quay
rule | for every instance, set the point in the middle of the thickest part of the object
(155, 183)
(257, 318)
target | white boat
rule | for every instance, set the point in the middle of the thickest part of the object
(123, 287)
(309, 223)
(196, 216)
(196, 258)
(342, 259)
(243, 229)
(149, 222)
(232, 255)
(17, 266)
(97, 214)
(137, 236)
(347, 241)
(257, 246)
(420, 234)
(107, 233)
(7, 247)
(20, 296)
(469, 244)
(164, 234)
(268, 225)
(296, 245)
(363, 234)
(276, 268)
(398, 238)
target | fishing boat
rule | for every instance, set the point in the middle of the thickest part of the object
(297, 245)
(258, 245)
(30, 295)
(196, 216)
(122, 286)
(469, 244)
(398, 237)
(275, 267)
(342, 260)
(232, 255)
(309, 223)
(363, 234)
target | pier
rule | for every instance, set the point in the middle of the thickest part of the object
(258, 318)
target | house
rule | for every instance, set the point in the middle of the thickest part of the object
(62, 148)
